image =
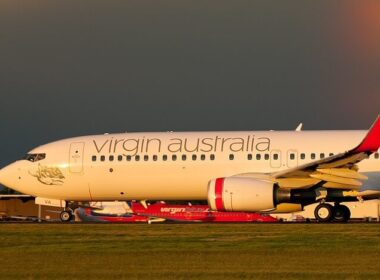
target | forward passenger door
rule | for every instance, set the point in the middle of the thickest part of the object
(76, 157)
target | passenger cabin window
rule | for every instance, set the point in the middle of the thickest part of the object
(258, 157)
(111, 158)
(119, 157)
(155, 158)
(194, 157)
(292, 156)
(377, 156)
(275, 156)
(34, 157)
(174, 157)
(183, 157)
(266, 156)
(164, 157)
(203, 157)
(137, 158)
(331, 154)
(129, 158)
(231, 157)
(212, 157)
(249, 157)
(93, 158)
(303, 156)
(102, 158)
(146, 158)
(322, 155)
(312, 156)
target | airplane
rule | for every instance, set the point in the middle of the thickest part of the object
(121, 212)
(252, 171)
(111, 212)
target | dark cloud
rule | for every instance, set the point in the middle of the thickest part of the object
(78, 67)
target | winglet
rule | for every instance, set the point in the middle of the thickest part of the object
(371, 142)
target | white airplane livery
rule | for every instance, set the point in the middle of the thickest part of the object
(260, 171)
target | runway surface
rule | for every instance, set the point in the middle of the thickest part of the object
(190, 251)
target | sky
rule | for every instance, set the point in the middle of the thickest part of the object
(70, 68)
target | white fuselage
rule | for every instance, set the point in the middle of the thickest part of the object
(170, 166)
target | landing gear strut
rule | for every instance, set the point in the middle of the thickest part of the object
(327, 213)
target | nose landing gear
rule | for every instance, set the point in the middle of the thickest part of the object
(66, 215)
(325, 213)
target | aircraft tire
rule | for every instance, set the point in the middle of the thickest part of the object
(342, 213)
(324, 213)
(66, 216)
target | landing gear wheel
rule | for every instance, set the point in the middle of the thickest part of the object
(66, 216)
(324, 213)
(341, 213)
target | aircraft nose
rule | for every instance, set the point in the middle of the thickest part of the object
(9, 175)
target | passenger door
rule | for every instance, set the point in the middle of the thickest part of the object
(76, 157)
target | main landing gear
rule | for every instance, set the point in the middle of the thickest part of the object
(327, 213)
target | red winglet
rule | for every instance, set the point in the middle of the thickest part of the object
(371, 142)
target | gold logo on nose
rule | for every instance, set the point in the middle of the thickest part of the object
(48, 175)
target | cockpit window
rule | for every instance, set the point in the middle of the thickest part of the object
(34, 157)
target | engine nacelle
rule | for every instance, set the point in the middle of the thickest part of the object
(242, 194)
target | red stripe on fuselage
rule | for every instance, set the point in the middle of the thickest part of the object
(219, 194)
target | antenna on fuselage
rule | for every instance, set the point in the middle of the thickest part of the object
(299, 127)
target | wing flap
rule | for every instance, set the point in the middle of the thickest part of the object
(336, 179)
(338, 186)
(297, 183)
(343, 172)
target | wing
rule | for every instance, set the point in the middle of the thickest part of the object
(335, 172)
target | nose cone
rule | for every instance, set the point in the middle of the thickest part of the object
(9, 176)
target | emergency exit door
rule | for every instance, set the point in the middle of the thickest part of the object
(76, 157)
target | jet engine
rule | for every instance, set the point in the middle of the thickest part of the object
(245, 194)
